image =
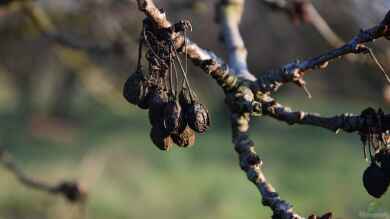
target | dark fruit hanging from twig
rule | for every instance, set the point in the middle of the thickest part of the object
(185, 98)
(160, 138)
(157, 101)
(184, 139)
(136, 89)
(173, 120)
(173, 108)
(383, 158)
(198, 117)
(375, 180)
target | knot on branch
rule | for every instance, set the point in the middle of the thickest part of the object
(242, 100)
(220, 72)
(292, 72)
(72, 191)
(374, 120)
(376, 125)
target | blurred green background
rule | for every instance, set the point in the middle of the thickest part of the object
(63, 117)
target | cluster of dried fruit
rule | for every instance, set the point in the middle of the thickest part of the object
(376, 178)
(174, 111)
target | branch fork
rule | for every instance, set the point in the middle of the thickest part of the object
(249, 96)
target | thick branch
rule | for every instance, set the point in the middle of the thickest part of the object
(72, 191)
(293, 72)
(251, 164)
(230, 14)
(151, 11)
(346, 122)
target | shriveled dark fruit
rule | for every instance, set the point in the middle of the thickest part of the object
(185, 98)
(375, 181)
(173, 121)
(157, 101)
(198, 117)
(184, 139)
(384, 159)
(136, 90)
(160, 138)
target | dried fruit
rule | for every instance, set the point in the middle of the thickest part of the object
(185, 139)
(375, 180)
(160, 138)
(136, 90)
(197, 117)
(383, 157)
(157, 102)
(173, 121)
(185, 99)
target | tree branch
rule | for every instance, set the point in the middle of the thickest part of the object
(346, 122)
(212, 65)
(230, 14)
(294, 72)
(251, 164)
(247, 98)
(72, 191)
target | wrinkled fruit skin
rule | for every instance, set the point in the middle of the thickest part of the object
(157, 102)
(198, 118)
(375, 180)
(173, 121)
(136, 90)
(161, 139)
(384, 159)
(185, 98)
(185, 138)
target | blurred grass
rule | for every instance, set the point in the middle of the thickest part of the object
(127, 177)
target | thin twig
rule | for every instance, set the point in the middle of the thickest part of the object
(72, 191)
(294, 71)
